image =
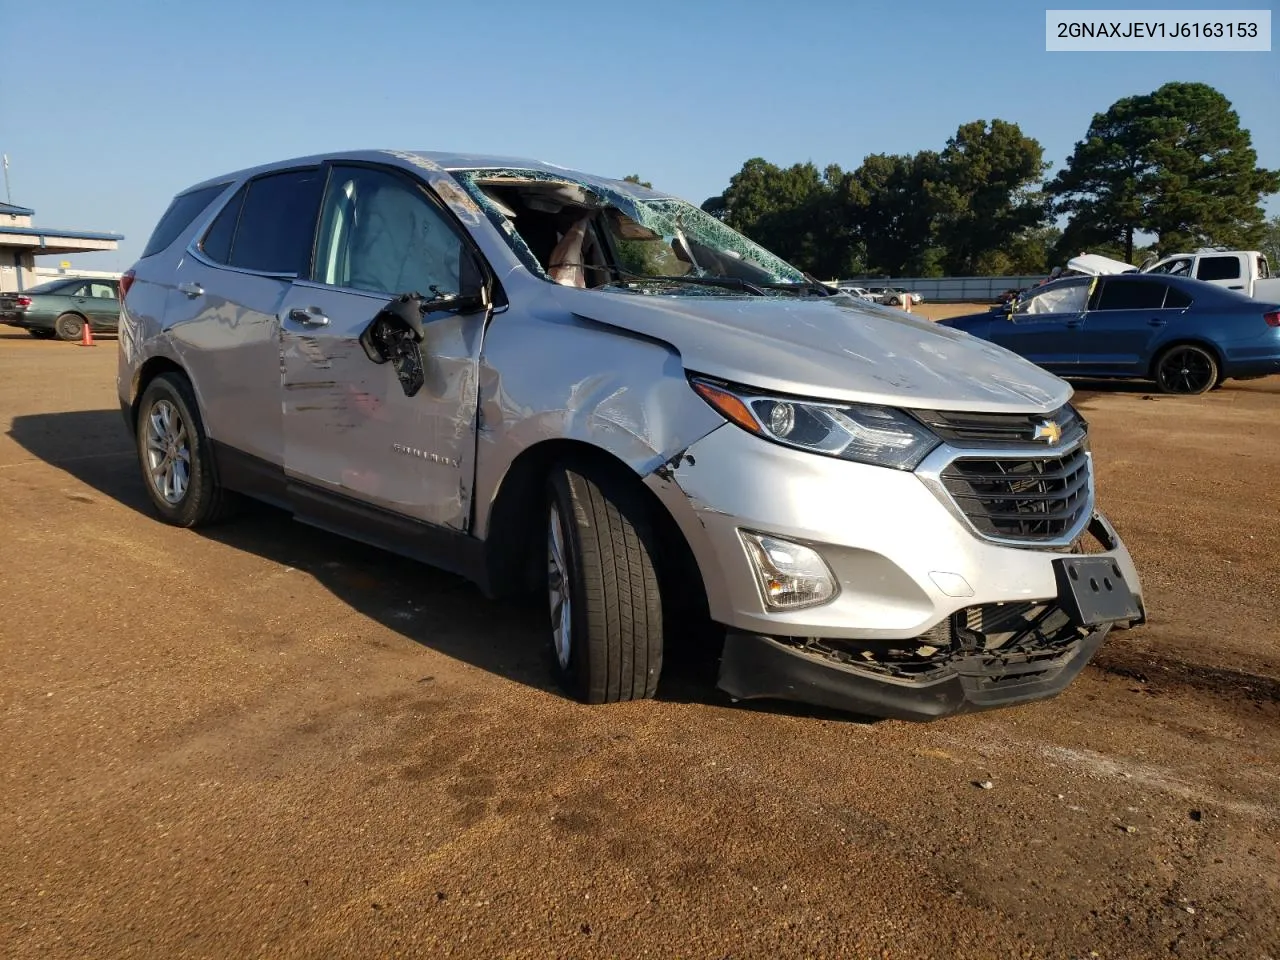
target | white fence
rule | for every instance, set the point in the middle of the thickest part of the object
(950, 289)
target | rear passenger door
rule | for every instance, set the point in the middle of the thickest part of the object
(350, 430)
(104, 303)
(226, 306)
(1129, 314)
(1222, 270)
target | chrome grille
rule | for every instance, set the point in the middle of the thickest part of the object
(1025, 498)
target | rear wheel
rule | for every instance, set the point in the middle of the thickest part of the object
(1186, 369)
(69, 326)
(176, 459)
(602, 588)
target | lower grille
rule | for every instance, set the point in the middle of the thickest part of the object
(999, 642)
(1022, 499)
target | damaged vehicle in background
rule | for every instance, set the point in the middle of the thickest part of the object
(581, 389)
(1186, 335)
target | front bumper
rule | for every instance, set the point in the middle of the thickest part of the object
(755, 667)
(909, 569)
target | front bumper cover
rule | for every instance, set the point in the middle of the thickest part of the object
(980, 658)
(757, 667)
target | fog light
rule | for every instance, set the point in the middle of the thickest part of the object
(790, 575)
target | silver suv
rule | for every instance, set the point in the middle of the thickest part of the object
(570, 386)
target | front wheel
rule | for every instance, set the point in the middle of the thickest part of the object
(602, 588)
(1186, 369)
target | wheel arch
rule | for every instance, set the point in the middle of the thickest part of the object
(513, 541)
(1203, 344)
(152, 368)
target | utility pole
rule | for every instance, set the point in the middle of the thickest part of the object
(8, 194)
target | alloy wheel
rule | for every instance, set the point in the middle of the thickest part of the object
(168, 452)
(1186, 370)
(558, 588)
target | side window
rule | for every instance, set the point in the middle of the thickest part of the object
(103, 291)
(1218, 268)
(216, 244)
(1068, 298)
(1124, 294)
(178, 217)
(277, 223)
(76, 290)
(381, 232)
(1175, 299)
(1175, 268)
(1264, 272)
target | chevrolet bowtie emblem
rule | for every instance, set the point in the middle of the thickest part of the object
(1049, 431)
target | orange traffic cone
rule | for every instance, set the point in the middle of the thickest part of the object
(86, 338)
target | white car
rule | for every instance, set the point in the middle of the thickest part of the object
(895, 298)
(860, 292)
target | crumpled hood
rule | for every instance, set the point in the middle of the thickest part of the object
(831, 349)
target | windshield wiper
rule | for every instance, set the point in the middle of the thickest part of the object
(729, 283)
(812, 286)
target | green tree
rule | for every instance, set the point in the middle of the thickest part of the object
(890, 213)
(1271, 243)
(635, 178)
(791, 211)
(985, 194)
(1175, 163)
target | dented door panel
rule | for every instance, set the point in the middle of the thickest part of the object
(348, 426)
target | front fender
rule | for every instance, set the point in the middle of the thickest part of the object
(562, 378)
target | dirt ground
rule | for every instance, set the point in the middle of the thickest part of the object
(264, 741)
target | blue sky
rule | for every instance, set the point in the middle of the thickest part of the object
(108, 108)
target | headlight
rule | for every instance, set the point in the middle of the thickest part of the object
(851, 431)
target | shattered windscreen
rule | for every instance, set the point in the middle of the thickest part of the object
(589, 235)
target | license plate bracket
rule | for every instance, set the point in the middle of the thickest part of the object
(1093, 591)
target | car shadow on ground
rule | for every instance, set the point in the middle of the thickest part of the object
(428, 606)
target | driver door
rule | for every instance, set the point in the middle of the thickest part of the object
(1046, 326)
(349, 427)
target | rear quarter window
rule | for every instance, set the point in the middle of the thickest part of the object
(216, 244)
(184, 208)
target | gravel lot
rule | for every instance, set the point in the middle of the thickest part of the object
(262, 740)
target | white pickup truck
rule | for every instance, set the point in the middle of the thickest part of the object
(1243, 270)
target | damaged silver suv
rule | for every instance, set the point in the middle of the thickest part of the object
(573, 386)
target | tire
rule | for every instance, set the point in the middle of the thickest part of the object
(168, 426)
(1186, 369)
(40, 333)
(607, 646)
(893, 302)
(69, 326)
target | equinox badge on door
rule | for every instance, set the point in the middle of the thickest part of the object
(424, 455)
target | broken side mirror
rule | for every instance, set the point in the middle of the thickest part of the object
(394, 334)
(393, 337)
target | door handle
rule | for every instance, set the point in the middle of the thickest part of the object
(309, 316)
(1074, 324)
(191, 289)
(1155, 322)
(1236, 286)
